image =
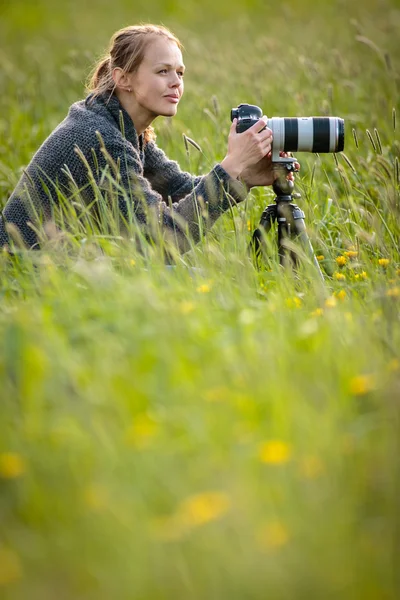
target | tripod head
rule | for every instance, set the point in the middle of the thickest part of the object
(282, 166)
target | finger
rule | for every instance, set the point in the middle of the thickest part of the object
(259, 125)
(266, 134)
(267, 142)
(233, 125)
(266, 151)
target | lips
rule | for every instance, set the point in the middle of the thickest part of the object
(172, 98)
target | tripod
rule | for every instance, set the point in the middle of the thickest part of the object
(290, 219)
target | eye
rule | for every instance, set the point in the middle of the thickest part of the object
(163, 71)
(181, 73)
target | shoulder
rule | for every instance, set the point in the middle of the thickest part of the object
(83, 123)
(86, 128)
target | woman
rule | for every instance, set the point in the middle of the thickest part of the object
(106, 146)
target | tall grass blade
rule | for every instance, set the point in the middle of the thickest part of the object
(185, 141)
(354, 132)
(378, 140)
(193, 143)
(347, 160)
(371, 139)
(215, 104)
(364, 40)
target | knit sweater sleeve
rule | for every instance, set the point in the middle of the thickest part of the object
(165, 176)
(201, 199)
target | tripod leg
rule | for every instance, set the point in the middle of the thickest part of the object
(285, 231)
(299, 231)
(267, 218)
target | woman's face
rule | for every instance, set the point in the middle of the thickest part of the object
(157, 85)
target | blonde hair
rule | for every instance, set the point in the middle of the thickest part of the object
(126, 51)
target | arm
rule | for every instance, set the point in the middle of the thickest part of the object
(165, 176)
(243, 151)
(206, 197)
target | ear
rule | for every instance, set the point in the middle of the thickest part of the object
(121, 79)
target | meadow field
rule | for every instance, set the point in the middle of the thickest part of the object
(217, 430)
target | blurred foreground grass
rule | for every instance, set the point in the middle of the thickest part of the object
(208, 431)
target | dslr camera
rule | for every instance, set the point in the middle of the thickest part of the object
(294, 134)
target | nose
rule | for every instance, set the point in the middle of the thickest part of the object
(175, 81)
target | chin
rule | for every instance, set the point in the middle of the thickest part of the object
(171, 112)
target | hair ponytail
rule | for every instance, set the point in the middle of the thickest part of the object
(101, 80)
(101, 72)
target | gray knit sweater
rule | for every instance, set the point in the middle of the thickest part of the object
(95, 148)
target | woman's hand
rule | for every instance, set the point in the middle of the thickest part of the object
(262, 172)
(247, 148)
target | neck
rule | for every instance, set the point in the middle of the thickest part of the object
(141, 118)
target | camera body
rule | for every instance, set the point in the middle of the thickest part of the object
(294, 134)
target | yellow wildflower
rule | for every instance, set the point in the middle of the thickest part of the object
(186, 307)
(330, 302)
(393, 292)
(273, 535)
(362, 275)
(341, 295)
(204, 288)
(274, 452)
(320, 257)
(383, 262)
(311, 467)
(339, 276)
(294, 302)
(341, 261)
(132, 262)
(193, 512)
(202, 508)
(318, 312)
(249, 225)
(10, 567)
(12, 465)
(350, 253)
(141, 432)
(362, 384)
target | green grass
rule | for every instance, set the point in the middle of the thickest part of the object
(213, 430)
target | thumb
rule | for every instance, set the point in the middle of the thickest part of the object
(233, 126)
